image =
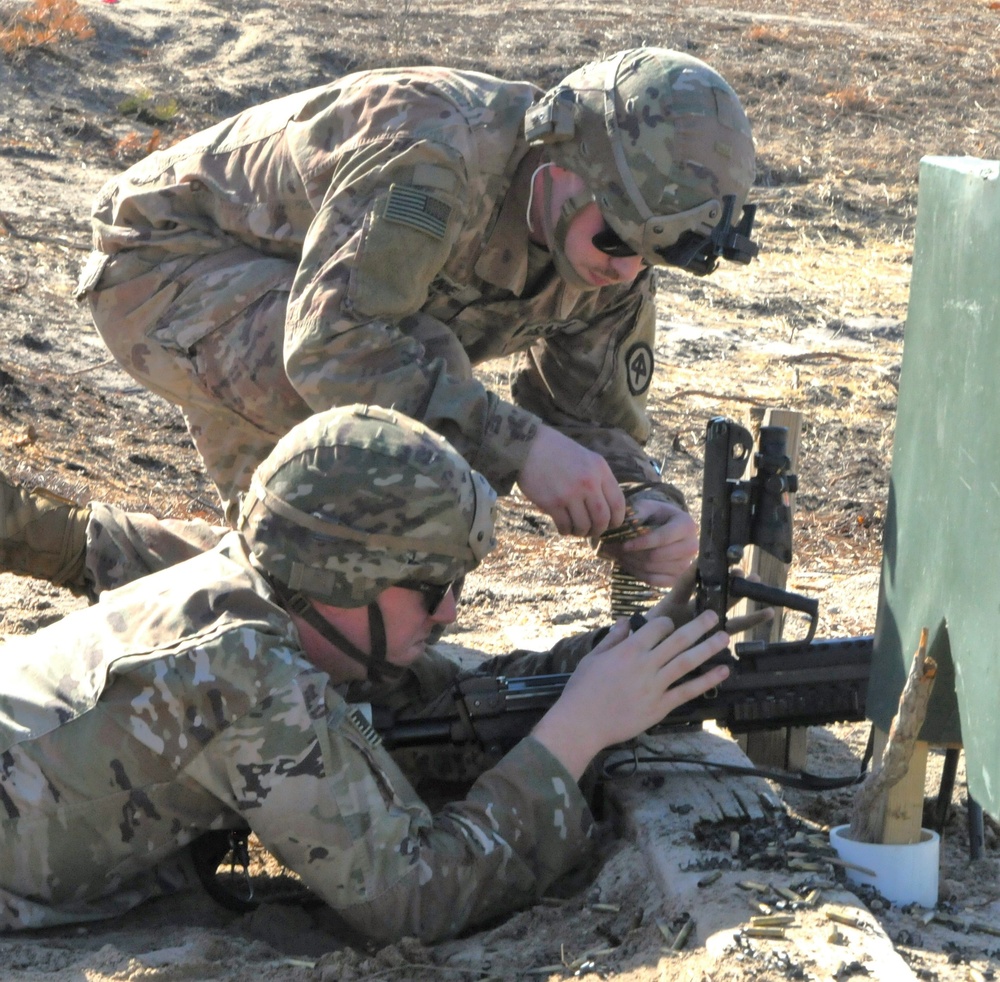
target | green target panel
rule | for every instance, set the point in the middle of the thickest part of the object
(941, 554)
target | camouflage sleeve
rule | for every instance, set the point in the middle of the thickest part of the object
(355, 331)
(331, 804)
(592, 384)
(562, 657)
(123, 546)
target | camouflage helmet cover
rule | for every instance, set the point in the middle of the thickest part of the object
(355, 500)
(659, 138)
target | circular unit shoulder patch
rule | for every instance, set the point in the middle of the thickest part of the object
(639, 368)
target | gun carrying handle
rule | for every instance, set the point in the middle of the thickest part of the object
(775, 597)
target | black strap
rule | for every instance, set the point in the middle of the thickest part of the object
(378, 668)
(803, 780)
(376, 635)
(207, 853)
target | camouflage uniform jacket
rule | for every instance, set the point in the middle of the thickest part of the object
(400, 197)
(182, 703)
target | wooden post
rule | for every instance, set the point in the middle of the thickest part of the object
(888, 807)
(785, 747)
(904, 806)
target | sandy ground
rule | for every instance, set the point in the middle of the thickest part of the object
(845, 97)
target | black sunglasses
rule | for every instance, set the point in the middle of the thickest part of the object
(432, 594)
(612, 244)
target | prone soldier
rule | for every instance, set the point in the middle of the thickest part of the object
(222, 692)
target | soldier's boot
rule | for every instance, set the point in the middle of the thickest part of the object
(42, 534)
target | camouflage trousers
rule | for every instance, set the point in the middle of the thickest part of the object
(206, 333)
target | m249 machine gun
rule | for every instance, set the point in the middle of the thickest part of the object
(809, 682)
(771, 684)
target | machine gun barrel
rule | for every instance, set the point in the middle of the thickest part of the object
(796, 683)
(771, 685)
(488, 710)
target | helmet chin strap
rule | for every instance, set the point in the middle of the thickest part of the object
(374, 662)
(555, 235)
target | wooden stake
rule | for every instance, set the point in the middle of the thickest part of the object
(868, 813)
(784, 748)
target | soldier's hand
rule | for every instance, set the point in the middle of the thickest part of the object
(678, 604)
(573, 485)
(621, 690)
(664, 549)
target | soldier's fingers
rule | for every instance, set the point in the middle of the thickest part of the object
(581, 512)
(737, 625)
(615, 499)
(652, 633)
(690, 663)
(684, 585)
(618, 631)
(679, 613)
(667, 605)
(697, 685)
(685, 637)
(563, 520)
(598, 515)
(661, 580)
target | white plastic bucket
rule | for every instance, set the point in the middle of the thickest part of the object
(904, 874)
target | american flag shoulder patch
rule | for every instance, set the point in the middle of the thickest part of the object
(419, 209)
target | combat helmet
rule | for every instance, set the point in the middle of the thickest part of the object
(665, 150)
(358, 499)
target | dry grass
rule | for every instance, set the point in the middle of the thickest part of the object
(854, 98)
(765, 34)
(44, 24)
(132, 146)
